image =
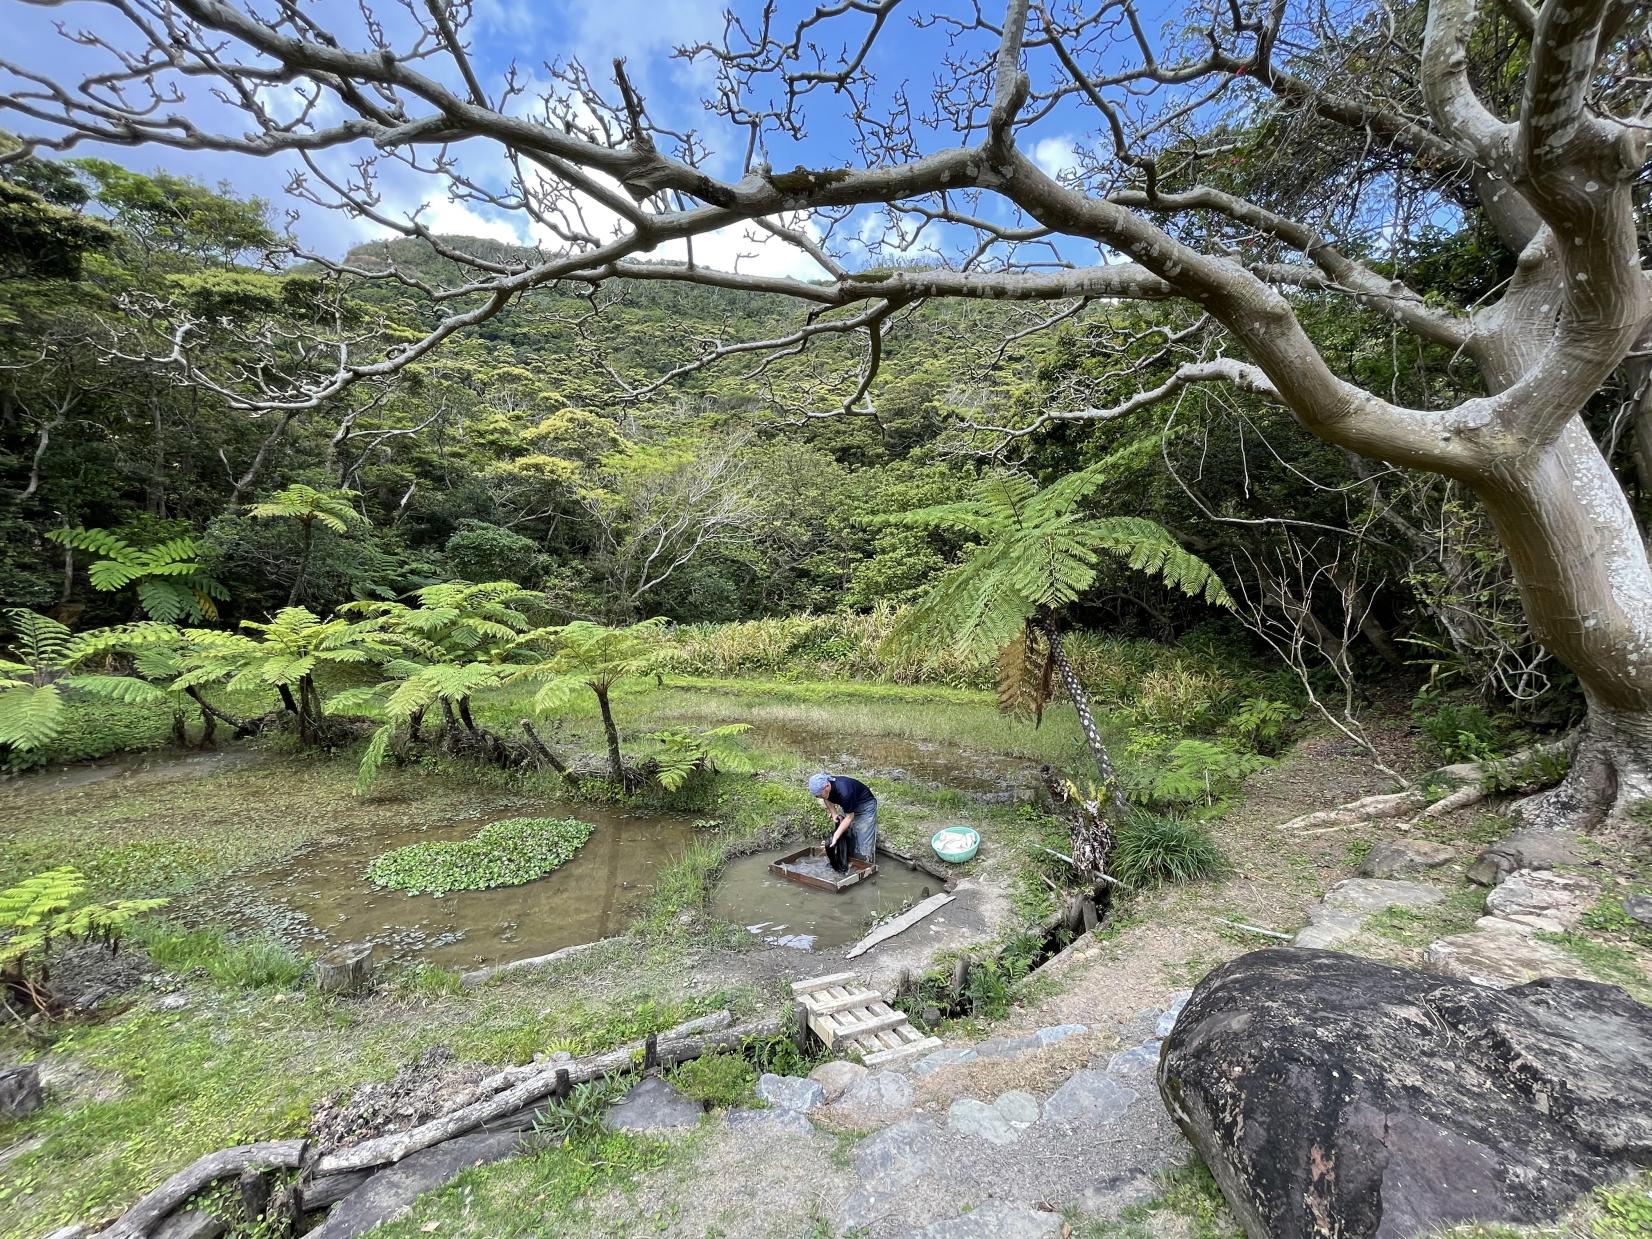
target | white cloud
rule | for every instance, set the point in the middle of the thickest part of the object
(1056, 155)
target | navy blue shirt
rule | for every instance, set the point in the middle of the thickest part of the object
(850, 795)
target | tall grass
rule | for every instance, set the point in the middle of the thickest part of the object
(1186, 685)
(1152, 849)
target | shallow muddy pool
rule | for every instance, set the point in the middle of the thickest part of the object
(784, 913)
(321, 897)
(897, 757)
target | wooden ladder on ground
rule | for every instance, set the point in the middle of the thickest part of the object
(848, 1017)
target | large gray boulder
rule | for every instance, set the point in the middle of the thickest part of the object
(1532, 848)
(1333, 1095)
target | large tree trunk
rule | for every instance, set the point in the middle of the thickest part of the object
(1582, 569)
(616, 765)
(1109, 781)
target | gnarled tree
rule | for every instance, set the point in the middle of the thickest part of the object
(1551, 167)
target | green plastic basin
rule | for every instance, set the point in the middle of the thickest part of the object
(954, 836)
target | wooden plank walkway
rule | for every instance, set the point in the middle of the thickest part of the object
(849, 1017)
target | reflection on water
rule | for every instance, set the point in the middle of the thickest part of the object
(919, 761)
(322, 897)
(785, 913)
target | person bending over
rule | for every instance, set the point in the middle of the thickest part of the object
(853, 809)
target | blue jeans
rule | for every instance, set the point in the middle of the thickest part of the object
(865, 831)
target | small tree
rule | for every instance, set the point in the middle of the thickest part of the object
(285, 655)
(171, 585)
(590, 656)
(1036, 553)
(458, 641)
(46, 909)
(307, 505)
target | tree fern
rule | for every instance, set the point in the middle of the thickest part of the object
(170, 584)
(304, 503)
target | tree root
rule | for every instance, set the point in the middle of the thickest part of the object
(1470, 783)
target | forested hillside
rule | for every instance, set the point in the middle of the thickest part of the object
(575, 444)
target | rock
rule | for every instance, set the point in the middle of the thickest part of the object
(1542, 899)
(19, 1091)
(191, 1224)
(837, 1077)
(389, 1192)
(1167, 1021)
(1526, 849)
(653, 1105)
(1396, 858)
(345, 970)
(1143, 1057)
(1338, 916)
(997, 1122)
(1021, 1109)
(1499, 953)
(948, 1057)
(887, 1092)
(1335, 1095)
(888, 1164)
(790, 1092)
(1011, 1047)
(901, 1150)
(996, 1219)
(773, 1120)
(173, 1002)
(1639, 908)
(1089, 1096)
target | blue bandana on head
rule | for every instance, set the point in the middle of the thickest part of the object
(818, 783)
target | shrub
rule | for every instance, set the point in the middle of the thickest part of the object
(1262, 724)
(1151, 849)
(1458, 732)
(581, 1116)
(89, 730)
(720, 1080)
(506, 853)
(483, 552)
(1195, 772)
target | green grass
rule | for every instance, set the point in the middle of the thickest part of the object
(236, 964)
(1417, 927)
(551, 1192)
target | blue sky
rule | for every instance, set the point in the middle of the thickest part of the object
(530, 32)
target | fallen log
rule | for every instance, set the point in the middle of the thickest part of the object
(540, 1084)
(150, 1210)
(900, 924)
(474, 978)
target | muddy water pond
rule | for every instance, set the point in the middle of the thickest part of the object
(321, 897)
(988, 775)
(784, 913)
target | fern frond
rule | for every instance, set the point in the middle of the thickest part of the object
(123, 688)
(30, 717)
(1149, 547)
(372, 760)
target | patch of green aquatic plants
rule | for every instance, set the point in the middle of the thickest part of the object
(506, 853)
